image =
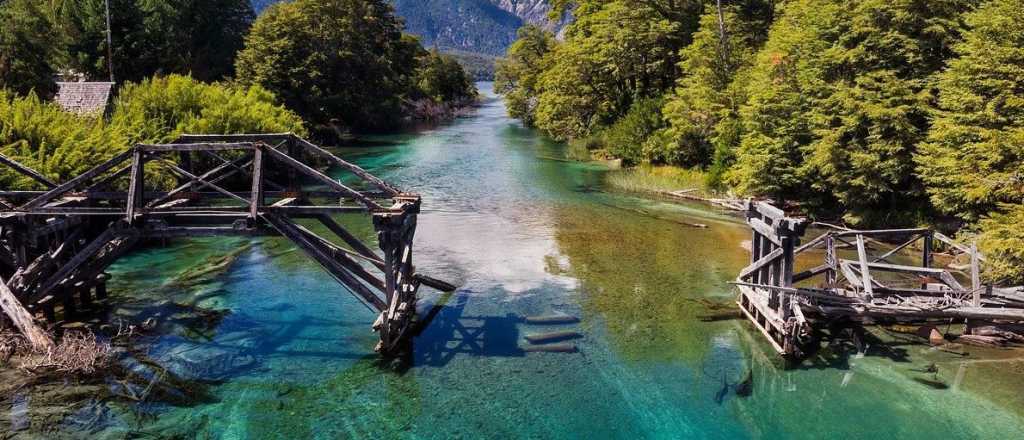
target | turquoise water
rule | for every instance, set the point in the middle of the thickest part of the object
(523, 233)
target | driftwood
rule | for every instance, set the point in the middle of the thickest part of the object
(22, 319)
(551, 319)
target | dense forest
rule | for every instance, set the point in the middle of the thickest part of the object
(878, 112)
(319, 67)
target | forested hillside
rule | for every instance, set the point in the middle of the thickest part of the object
(872, 112)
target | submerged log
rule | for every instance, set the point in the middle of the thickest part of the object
(551, 337)
(982, 341)
(552, 319)
(552, 348)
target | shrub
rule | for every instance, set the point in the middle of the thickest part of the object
(625, 138)
(1002, 242)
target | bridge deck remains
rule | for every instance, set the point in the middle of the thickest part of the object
(858, 280)
(56, 242)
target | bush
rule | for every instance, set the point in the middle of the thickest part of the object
(442, 79)
(160, 109)
(625, 138)
(62, 145)
(1002, 242)
(58, 144)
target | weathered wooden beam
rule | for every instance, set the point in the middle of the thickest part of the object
(257, 184)
(760, 263)
(975, 276)
(353, 168)
(288, 229)
(22, 319)
(765, 230)
(26, 171)
(865, 273)
(66, 269)
(73, 183)
(246, 159)
(173, 167)
(242, 170)
(135, 186)
(323, 178)
(209, 146)
(892, 252)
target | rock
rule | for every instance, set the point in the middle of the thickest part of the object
(932, 334)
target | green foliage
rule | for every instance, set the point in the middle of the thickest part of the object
(784, 80)
(155, 36)
(974, 157)
(615, 53)
(28, 50)
(441, 78)
(42, 136)
(710, 91)
(62, 145)
(838, 102)
(516, 75)
(162, 108)
(339, 63)
(625, 138)
(1002, 243)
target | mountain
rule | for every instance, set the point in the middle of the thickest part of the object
(475, 26)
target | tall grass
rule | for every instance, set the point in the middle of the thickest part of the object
(659, 179)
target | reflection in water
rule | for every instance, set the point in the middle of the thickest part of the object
(524, 236)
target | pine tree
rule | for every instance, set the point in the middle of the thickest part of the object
(703, 111)
(973, 162)
(974, 157)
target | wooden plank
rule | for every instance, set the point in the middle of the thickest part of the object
(901, 268)
(87, 252)
(865, 272)
(246, 160)
(892, 252)
(212, 146)
(170, 165)
(323, 178)
(26, 171)
(765, 230)
(850, 275)
(73, 183)
(287, 228)
(22, 319)
(975, 276)
(284, 202)
(242, 170)
(348, 238)
(257, 183)
(135, 186)
(757, 265)
(353, 168)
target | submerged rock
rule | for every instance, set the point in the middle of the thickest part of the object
(206, 361)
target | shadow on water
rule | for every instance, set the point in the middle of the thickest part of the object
(451, 332)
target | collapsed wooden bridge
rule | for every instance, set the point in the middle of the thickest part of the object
(865, 286)
(55, 243)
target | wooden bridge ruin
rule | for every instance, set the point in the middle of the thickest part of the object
(55, 243)
(858, 280)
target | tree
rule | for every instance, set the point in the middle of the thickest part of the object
(156, 36)
(28, 52)
(332, 61)
(516, 75)
(974, 157)
(784, 81)
(614, 54)
(838, 106)
(973, 160)
(703, 111)
(441, 78)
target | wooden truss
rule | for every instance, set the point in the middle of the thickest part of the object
(56, 242)
(782, 303)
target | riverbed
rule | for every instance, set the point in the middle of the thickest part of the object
(523, 232)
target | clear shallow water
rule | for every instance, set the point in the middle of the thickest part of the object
(523, 233)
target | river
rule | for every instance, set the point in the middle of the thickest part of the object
(523, 232)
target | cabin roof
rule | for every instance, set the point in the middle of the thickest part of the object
(84, 97)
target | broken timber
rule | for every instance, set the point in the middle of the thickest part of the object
(56, 242)
(784, 304)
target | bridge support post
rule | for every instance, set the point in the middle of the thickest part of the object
(395, 233)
